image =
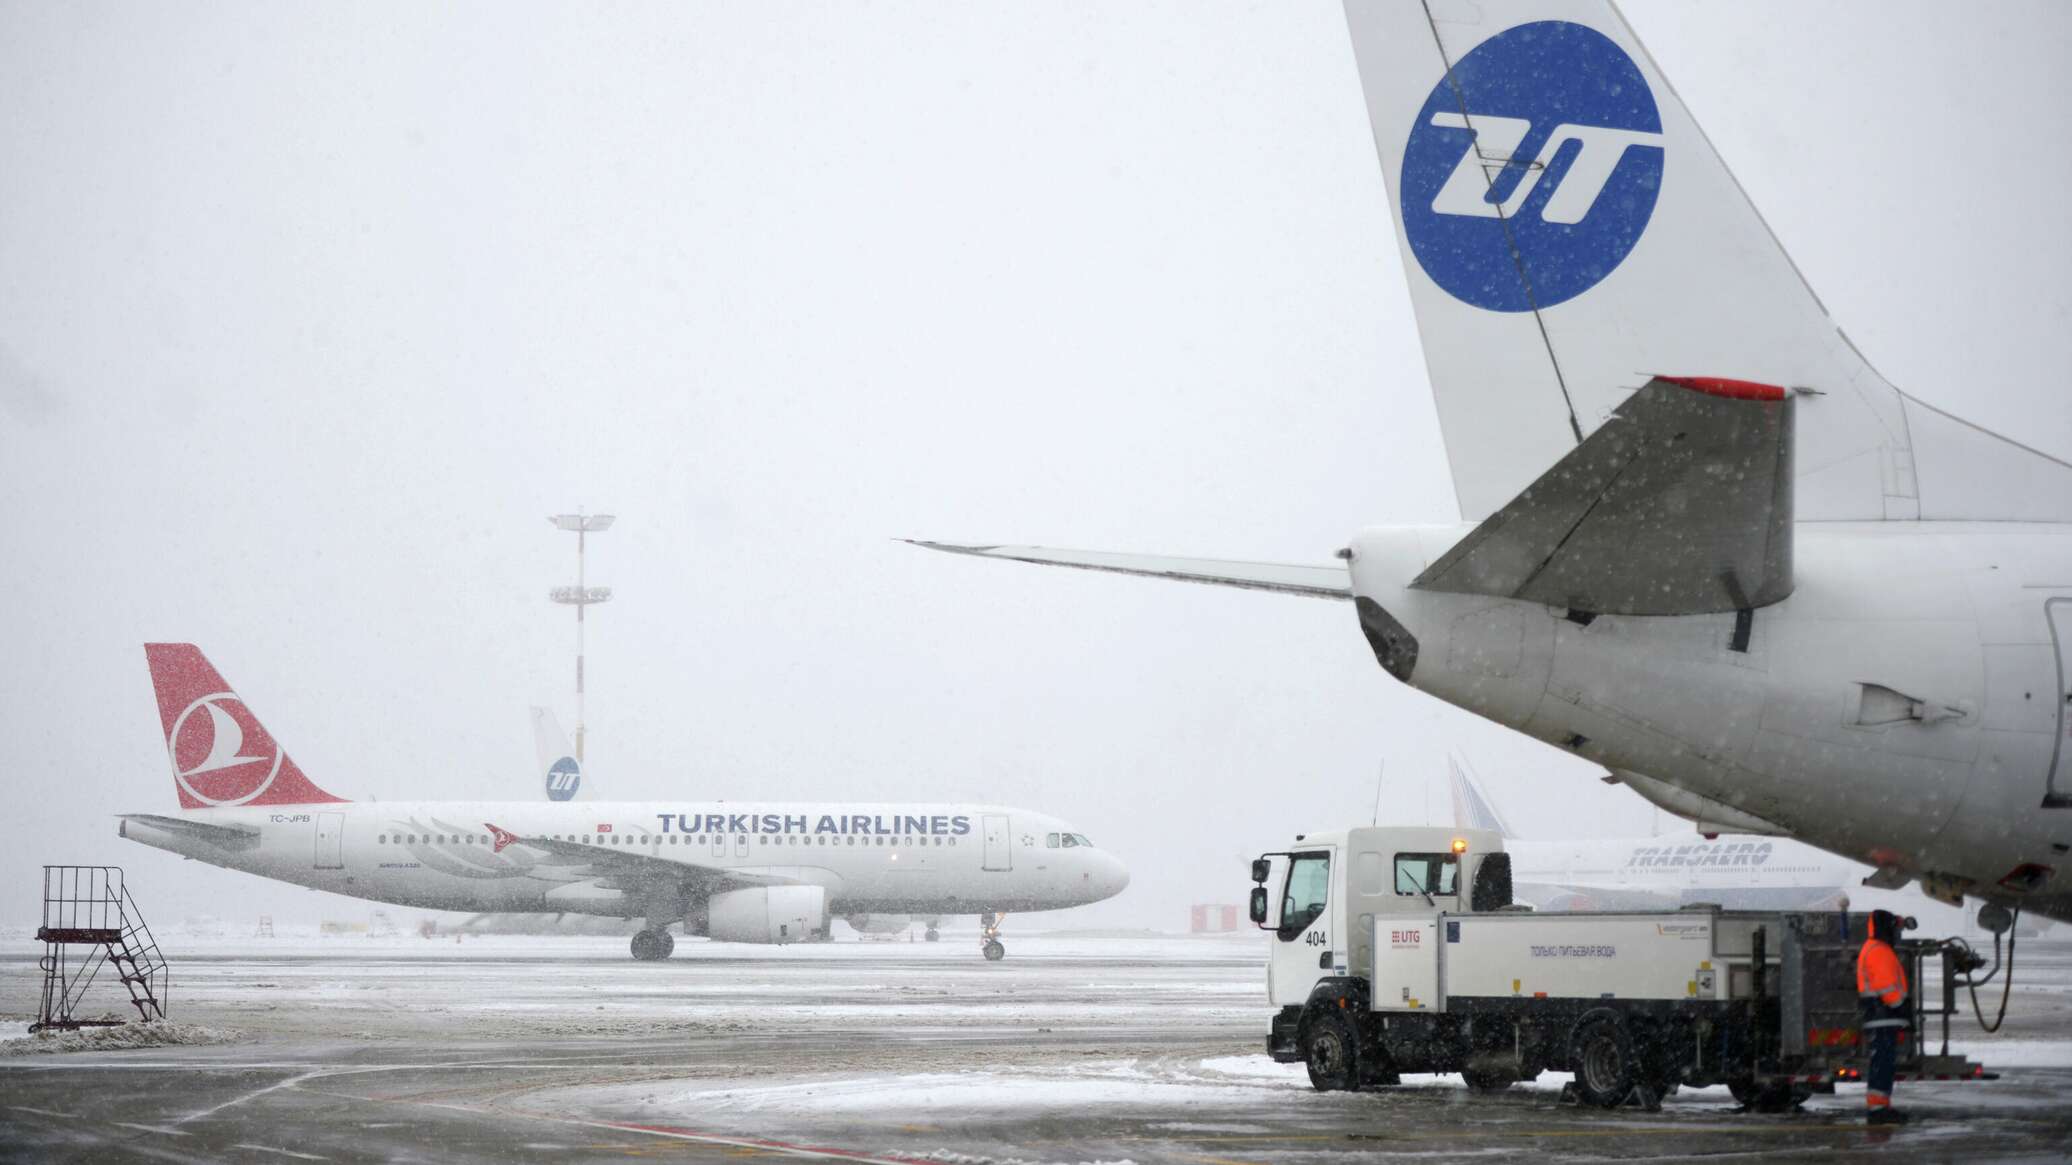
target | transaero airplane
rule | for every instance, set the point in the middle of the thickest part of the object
(1652, 873)
(1703, 542)
(734, 871)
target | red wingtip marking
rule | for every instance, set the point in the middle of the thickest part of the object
(1721, 386)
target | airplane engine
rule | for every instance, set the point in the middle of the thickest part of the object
(768, 914)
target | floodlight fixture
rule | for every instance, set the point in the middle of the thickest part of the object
(580, 596)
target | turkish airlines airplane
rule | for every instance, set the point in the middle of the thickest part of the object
(1703, 542)
(562, 778)
(742, 871)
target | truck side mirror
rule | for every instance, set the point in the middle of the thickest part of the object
(1492, 886)
(1258, 904)
(1261, 870)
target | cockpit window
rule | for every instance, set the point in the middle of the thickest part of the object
(1072, 839)
(1050, 841)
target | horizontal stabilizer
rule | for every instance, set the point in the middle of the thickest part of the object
(225, 836)
(1681, 504)
(1322, 582)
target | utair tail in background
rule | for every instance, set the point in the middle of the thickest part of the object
(734, 870)
(560, 771)
(1702, 542)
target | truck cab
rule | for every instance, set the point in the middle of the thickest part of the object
(1323, 896)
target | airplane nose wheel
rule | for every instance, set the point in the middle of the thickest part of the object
(989, 943)
(652, 944)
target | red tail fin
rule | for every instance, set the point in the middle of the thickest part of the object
(221, 754)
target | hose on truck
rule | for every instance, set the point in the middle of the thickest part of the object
(1973, 983)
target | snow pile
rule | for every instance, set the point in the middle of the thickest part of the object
(163, 1033)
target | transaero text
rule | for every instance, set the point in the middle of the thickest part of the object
(850, 823)
(1739, 853)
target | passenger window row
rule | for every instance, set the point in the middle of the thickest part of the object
(715, 839)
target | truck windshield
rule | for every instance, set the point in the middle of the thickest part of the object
(1432, 874)
(1309, 879)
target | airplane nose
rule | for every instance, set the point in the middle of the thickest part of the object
(1118, 875)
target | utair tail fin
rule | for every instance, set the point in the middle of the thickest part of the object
(220, 753)
(1568, 233)
(559, 769)
(1471, 808)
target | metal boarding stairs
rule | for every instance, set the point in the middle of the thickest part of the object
(88, 906)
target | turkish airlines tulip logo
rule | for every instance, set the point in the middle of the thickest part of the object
(221, 756)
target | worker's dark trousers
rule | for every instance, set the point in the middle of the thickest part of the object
(1884, 1060)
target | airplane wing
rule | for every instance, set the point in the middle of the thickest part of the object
(1681, 504)
(632, 871)
(1560, 898)
(225, 836)
(1557, 897)
(1320, 581)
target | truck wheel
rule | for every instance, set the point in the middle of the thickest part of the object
(1330, 1049)
(1487, 1081)
(1601, 1053)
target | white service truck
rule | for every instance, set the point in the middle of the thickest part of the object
(1398, 949)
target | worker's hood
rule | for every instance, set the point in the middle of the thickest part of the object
(1884, 926)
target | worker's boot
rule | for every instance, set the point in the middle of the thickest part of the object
(1886, 1116)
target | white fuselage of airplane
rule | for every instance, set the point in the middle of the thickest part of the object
(1904, 706)
(1735, 872)
(888, 858)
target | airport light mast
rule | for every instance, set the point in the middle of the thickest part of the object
(580, 596)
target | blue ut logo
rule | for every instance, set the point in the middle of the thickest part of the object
(1533, 168)
(563, 778)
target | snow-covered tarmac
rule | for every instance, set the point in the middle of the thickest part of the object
(1074, 1049)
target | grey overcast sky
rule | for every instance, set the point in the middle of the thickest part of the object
(309, 314)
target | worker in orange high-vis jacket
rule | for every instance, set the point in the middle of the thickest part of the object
(1881, 992)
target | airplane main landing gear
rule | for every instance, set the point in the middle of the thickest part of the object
(653, 943)
(989, 943)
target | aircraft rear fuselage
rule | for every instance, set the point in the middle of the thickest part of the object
(1906, 705)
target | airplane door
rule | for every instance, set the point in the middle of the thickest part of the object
(330, 839)
(999, 850)
(2057, 790)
